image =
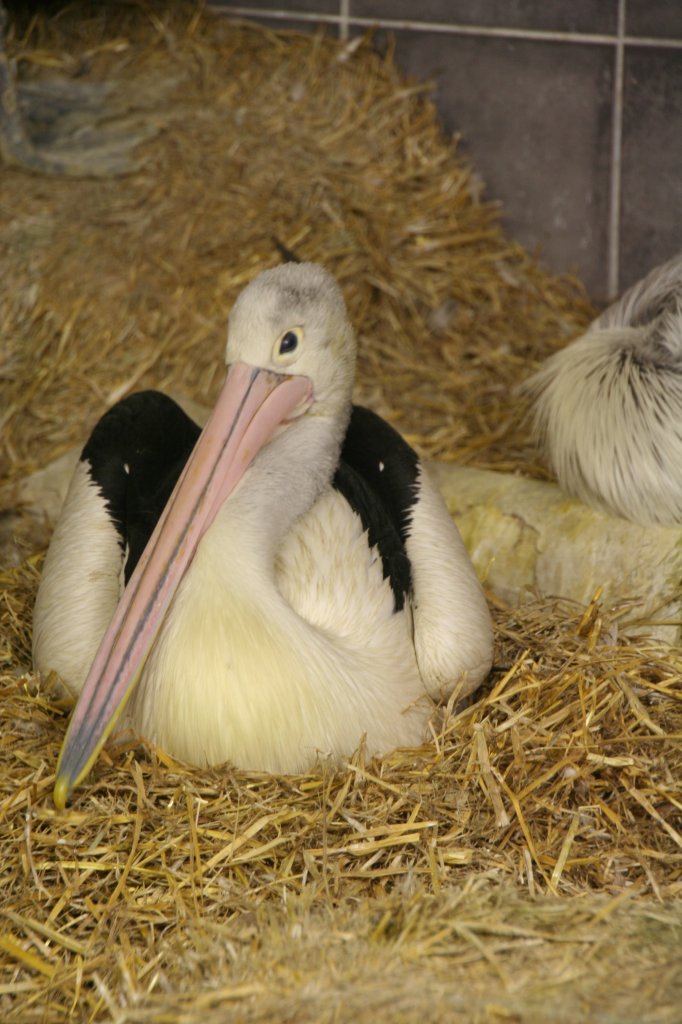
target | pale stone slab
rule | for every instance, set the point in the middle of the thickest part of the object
(527, 535)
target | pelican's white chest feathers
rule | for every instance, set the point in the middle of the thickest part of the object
(273, 677)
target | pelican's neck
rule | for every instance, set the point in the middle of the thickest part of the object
(282, 483)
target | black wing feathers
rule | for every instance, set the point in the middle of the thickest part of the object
(377, 476)
(136, 454)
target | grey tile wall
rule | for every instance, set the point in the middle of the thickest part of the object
(662, 18)
(651, 196)
(575, 16)
(571, 110)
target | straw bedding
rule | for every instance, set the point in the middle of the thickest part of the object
(526, 864)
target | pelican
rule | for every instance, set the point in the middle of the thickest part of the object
(608, 407)
(272, 591)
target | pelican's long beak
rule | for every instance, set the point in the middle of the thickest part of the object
(251, 407)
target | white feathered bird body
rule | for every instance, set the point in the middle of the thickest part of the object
(607, 409)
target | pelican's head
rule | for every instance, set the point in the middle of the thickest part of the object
(292, 321)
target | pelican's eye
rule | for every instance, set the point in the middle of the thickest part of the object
(289, 344)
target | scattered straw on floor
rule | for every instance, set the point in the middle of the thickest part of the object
(530, 856)
(162, 882)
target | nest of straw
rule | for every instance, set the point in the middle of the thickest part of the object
(532, 851)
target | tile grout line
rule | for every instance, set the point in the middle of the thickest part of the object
(344, 20)
(613, 271)
(344, 15)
